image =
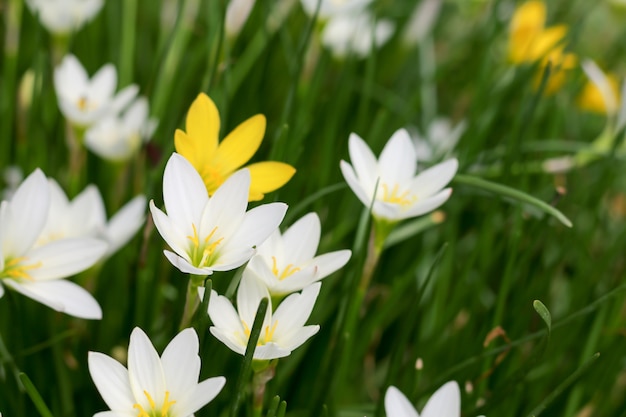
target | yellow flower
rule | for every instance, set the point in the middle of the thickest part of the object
(217, 161)
(592, 99)
(560, 62)
(527, 23)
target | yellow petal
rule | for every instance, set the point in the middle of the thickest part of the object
(547, 41)
(268, 176)
(241, 144)
(591, 98)
(187, 147)
(203, 124)
(527, 23)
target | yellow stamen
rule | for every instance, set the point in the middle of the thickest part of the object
(14, 268)
(270, 333)
(264, 337)
(207, 249)
(82, 103)
(287, 272)
(395, 197)
(164, 408)
(194, 239)
(166, 404)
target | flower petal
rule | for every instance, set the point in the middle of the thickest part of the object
(330, 262)
(203, 393)
(63, 258)
(103, 84)
(184, 266)
(397, 405)
(181, 367)
(446, 401)
(432, 180)
(111, 380)
(60, 295)
(228, 338)
(241, 144)
(293, 312)
(268, 176)
(270, 351)
(426, 206)
(301, 239)
(398, 160)
(249, 296)
(144, 369)
(173, 236)
(257, 225)
(357, 187)
(184, 193)
(203, 126)
(364, 163)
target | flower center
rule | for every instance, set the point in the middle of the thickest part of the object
(203, 252)
(394, 196)
(266, 335)
(287, 272)
(153, 412)
(15, 268)
(212, 177)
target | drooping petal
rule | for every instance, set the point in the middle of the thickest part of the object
(64, 258)
(241, 144)
(184, 193)
(144, 369)
(184, 266)
(268, 176)
(181, 366)
(302, 238)
(398, 160)
(203, 126)
(446, 401)
(60, 295)
(111, 379)
(397, 405)
(432, 180)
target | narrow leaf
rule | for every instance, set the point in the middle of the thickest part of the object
(34, 395)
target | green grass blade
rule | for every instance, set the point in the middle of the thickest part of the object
(32, 392)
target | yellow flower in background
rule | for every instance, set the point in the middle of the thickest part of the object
(216, 161)
(559, 62)
(526, 25)
(592, 99)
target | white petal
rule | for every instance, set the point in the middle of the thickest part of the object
(228, 338)
(398, 160)
(293, 312)
(103, 84)
(364, 162)
(428, 205)
(598, 77)
(257, 225)
(388, 211)
(27, 215)
(232, 259)
(227, 206)
(123, 98)
(65, 257)
(445, 402)
(330, 262)
(397, 405)
(223, 314)
(88, 212)
(60, 295)
(259, 267)
(126, 222)
(144, 369)
(184, 266)
(202, 394)
(184, 193)
(301, 239)
(249, 295)
(270, 351)
(297, 338)
(173, 235)
(181, 366)
(295, 282)
(357, 188)
(432, 180)
(111, 379)
(116, 414)
(1, 290)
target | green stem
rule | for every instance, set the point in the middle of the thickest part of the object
(259, 383)
(127, 53)
(192, 301)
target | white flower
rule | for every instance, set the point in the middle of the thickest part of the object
(64, 16)
(36, 271)
(287, 263)
(117, 137)
(400, 193)
(210, 234)
(445, 402)
(439, 139)
(615, 110)
(422, 21)
(237, 13)
(84, 101)
(153, 385)
(356, 34)
(330, 8)
(282, 331)
(85, 216)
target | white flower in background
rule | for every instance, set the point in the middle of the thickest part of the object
(282, 331)
(237, 13)
(439, 140)
(287, 263)
(85, 216)
(153, 385)
(210, 234)
(400, 194)
(445, 402)
(331, 8)
(118, 137)
(356, 34)
(422, 21)
(84, 101)
(36, 271)
(12, 176)
(64, 16)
